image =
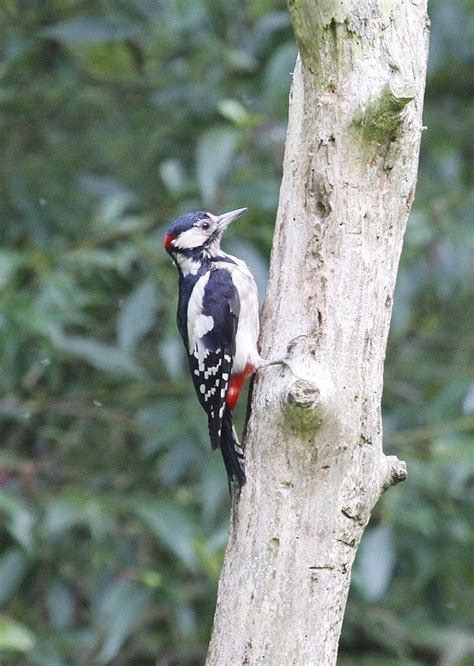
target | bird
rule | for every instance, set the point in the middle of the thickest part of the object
(218, 320)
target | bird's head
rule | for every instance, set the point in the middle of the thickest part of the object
(195, 233)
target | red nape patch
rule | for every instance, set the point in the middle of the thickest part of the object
(168, 239)
(235, 386)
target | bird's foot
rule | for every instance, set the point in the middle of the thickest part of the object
(264, 363)
(281, 361)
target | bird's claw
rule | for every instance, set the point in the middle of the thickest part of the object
(281, 361)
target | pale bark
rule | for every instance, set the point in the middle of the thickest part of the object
(315, 465)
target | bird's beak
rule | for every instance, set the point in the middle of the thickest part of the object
(225, 219)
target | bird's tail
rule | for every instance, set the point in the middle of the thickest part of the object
(232, 451)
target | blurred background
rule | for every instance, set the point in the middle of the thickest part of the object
(115, 117)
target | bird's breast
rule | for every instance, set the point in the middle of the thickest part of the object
(248, 325)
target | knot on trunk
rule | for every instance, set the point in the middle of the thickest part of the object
(395, 472)
(308, 393)
(304, 408)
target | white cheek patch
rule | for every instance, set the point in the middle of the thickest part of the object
(194, 237)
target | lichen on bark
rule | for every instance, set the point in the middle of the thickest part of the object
(383, 116)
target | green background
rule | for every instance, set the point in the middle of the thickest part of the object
(116, 117)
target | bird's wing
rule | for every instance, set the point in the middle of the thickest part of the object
(213, 309)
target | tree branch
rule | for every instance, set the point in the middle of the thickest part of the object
(314, 448)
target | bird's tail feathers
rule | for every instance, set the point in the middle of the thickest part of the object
(232, 450)
(215, 428)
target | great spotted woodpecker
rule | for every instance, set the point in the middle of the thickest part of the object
(218, 321)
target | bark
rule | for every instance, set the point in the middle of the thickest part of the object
(314, 439)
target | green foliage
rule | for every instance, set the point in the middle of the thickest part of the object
(115, 117)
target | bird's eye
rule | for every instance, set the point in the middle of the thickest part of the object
(205, 226)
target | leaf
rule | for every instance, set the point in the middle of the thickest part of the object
(100, 355)
(137, 315)
(214, 154)
(112, 207)
(21, 520)
(90, 30)
(162, 422)
(214, 489)
(172, 355)
(9, 262)
(119, 613)
(61, 515)
(13, 567)
(15, 637)
(172, 526)
(185, 621)
(468, 401)
(67, 512)
(102, 186)
(269, 24)
(375, 561)
(257, 264)
(172, 175)
(183, 456)
(60, 604)
(278, 72)
(234, 111)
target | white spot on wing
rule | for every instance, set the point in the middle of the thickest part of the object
(194, 312)
(204, 324)
(212, 370)
(210, 392)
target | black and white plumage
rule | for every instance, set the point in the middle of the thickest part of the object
(218, 321)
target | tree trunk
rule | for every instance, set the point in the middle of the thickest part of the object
(315, 464)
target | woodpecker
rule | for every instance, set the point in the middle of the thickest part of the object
(218, 321)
